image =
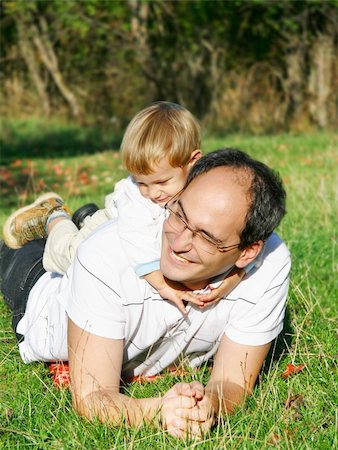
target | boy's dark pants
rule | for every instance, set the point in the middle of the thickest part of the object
(19, 271)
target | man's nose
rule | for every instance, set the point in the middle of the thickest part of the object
(182, 241)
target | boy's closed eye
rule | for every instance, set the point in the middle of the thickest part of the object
(164, 181)
(160, 183)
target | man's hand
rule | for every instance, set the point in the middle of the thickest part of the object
(186, 411)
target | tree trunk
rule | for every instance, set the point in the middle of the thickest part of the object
(48, 57)
(296, 78)
(320, 85)
(28, 55)
(139, 31)
(213, 74)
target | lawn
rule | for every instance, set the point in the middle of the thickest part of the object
(297, 412)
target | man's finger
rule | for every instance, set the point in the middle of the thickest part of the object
(194, 414)
(184, 402)
(183, 428)
(198, 389)
(183, 389)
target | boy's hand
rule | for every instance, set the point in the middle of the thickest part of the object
(227, 285)
(179, 297)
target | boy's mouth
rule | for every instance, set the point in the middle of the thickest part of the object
(163, 200)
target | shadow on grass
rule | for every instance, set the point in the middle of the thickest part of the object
(37, 139)
(282, 344)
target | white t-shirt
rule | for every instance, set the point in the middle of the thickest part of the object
(139, 225)
(102, 294)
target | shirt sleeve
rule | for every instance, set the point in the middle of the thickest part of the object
(144, 269)
(257, 317)
(91, 291)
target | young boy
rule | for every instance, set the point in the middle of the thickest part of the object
(159, 147)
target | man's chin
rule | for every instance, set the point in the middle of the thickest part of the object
(185, 277)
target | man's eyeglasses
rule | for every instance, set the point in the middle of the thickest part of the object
(199, 238)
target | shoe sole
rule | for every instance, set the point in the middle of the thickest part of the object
(10, 240)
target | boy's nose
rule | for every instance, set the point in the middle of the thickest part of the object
(154, 193)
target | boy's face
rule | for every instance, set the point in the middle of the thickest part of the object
(164, 182)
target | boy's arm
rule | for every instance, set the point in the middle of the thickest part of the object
(228, 284)
(173, 291)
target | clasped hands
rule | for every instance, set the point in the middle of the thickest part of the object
(187, 410)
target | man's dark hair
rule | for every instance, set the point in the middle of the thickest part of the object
(267, 193)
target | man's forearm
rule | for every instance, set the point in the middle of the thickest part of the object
(236, 367)
(225, 396)
(117, 409)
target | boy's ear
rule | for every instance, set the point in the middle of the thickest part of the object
(249, 254)
(195, 156)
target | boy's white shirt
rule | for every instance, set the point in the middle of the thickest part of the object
(139, 227)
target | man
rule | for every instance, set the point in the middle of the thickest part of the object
(117, 324)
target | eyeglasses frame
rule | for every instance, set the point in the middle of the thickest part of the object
(220, 247)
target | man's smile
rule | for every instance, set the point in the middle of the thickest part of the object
(178, 258)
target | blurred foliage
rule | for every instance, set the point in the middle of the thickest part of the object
(115, 57)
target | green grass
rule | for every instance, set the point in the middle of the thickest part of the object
(33, 414)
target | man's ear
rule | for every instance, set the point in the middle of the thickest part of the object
(195, 156)
(249, 254)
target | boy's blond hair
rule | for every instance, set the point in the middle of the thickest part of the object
(163, 130)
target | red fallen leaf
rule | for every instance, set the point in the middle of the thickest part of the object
(291, 369)
(16, 163)
(26, 170)
(294, 404)
(6, 174)
(8, 413)
(40, 185)
(84, 178)
(299, 368)
(176, 371)
(172, 371)
(294, 401)
(275, 439)
(58, 169)
(142, 379)
(60, 374)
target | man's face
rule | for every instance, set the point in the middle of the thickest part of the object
(215, 203)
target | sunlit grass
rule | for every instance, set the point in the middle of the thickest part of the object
(34, 414)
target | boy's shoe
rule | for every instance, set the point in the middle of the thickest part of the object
(28, 223)
(80, 214)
